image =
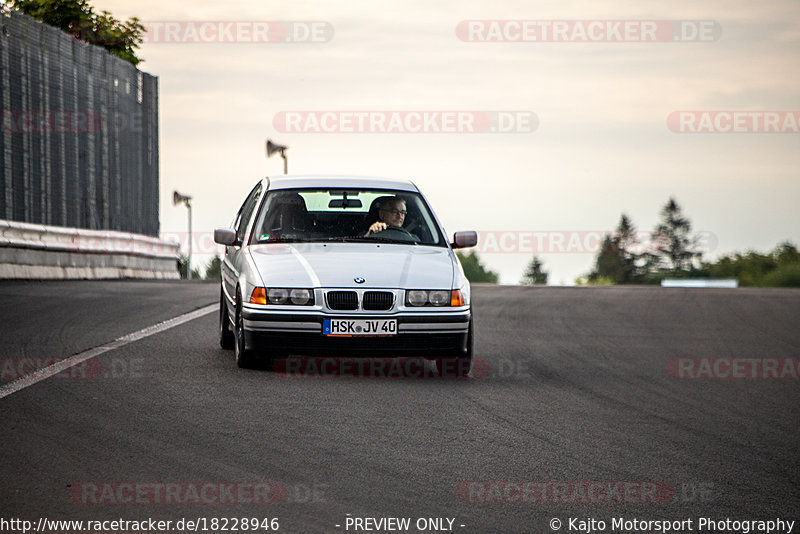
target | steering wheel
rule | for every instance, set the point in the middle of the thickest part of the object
(396, 232)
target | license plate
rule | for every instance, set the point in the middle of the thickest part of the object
(359, 327)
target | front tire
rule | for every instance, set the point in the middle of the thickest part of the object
(244, 356)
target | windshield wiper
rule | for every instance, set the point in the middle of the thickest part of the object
(390, 240)
(351, 239)
(280, 240)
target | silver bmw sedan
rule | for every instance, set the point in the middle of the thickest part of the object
(325, 265)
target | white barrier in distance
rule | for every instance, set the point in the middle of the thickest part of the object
(700, 282)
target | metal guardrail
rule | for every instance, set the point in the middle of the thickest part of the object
(39, 251)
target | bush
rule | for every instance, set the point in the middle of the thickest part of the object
(595, 281)
(787, 275)
(79, 19)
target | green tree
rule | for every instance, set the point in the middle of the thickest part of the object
(474, 270)
(786, 253)
(618, 259)
(214, 268)
(608, 264)
(534, 274)
(183, 269)
(626, 244)
(675, 248)
(183, 266)
(120, 38)
(78, 18)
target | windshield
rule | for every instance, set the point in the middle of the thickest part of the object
(345, 215)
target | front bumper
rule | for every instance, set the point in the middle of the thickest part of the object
(418, 334)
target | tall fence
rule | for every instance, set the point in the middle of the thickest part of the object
(79, 141)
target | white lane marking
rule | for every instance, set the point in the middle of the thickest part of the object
(57, 367)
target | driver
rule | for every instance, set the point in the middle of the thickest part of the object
(392, 212)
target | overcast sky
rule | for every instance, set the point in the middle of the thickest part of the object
(601, 144)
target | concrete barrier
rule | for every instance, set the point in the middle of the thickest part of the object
(700, 282)
(35, 251)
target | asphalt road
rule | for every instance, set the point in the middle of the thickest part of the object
(571, 387)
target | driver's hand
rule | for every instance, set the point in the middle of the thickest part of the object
(377, 227)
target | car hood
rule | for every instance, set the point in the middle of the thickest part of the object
(339, 264)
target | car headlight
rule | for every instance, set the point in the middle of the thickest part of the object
(278, 296)
(439, 298)
(301, 297)
(283, 296)
(416, 298)
(434, 297)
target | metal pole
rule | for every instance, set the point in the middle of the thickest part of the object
(285, 163)
(189, 261)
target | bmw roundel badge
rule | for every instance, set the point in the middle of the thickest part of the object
(359, 280)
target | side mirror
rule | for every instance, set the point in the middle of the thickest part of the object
(464, 239)
(225, 236)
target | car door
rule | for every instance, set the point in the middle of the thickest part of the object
(234, 254)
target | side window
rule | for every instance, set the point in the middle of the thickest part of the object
(246, 211)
